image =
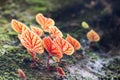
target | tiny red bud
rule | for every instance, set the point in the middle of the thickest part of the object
(60, 70)
(22, 74)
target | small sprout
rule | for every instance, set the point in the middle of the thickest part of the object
(85, 25)
(60, 71)
(32, 42)
(64, 45)
(73, 42)
(46, 23)
(18, 26)
(93, 36)
(22, 74)
(52, 49)
(37, 30)
(54, 32)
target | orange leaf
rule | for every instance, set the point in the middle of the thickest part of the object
(18, 26)
(73, 41)
(54, 32)
(51, 47)
(46, 23)
(37, 30)
(60, 70)
(64, 45)
(31, 41)
(93, 36)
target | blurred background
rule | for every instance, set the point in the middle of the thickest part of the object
(102, 15)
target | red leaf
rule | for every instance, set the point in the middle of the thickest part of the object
(46, 23)
(18, 26)
(73, 41)
(51, 47)
(64, 45)
(31, 41)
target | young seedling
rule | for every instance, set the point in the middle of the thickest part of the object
(33, 43)
(75, 43)
(52, 49)
(93, 37)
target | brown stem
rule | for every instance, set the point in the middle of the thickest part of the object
(58, 63)
(48, 59)
(33, 56)
(24, 79)
(74, 54)
(33, 59)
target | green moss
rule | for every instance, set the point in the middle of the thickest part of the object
(114, 66)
